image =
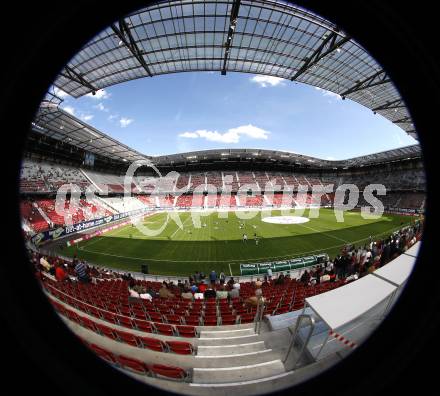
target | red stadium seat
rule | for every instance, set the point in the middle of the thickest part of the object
(192, 320)
(133, 364)
(186, 331)
(210, 321)
(125, 321)
(103, 353)
(153, 343)
(247, 318)
(180, 347)
(143, 325)
(128, 338)
(165, 329)
(228, 319)
(168, 371)
(106, 331)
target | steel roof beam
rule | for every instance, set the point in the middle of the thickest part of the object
(377, 78)
(126, 37)
(78, 78)
(330, 44)
(404, 120)
(232, 26)
(395, 104)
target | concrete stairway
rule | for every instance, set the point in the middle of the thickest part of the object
(237, 355)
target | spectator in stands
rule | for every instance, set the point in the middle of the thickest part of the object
(202, 287)
(45, 265)
(194, 288)
(280, 280)
(164, 292)
(213, 277)
(305, 277)
(221, 293)
(222, 278)
(258, 283)
(210, 293)
(187, 294)
(197, 277)
(235, 291)
(81, 271)
(253, 300)
(269, 274)
(60, 273)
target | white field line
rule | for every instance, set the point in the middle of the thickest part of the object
(230, 270)
(324, 232)
(241, 260)
(178, 228)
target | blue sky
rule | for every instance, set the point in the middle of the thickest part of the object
(195, 111)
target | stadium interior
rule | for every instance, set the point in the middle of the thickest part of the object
(295, 329)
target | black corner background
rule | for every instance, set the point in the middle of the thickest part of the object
(37, 352)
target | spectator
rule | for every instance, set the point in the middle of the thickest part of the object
(194, 288)
(258, 283)
(222, 293)
(253, 300)
(198, 296)
(60, 273)
(81, 271)
(187, 295)
(305, 277)
(213, 277)
(202, 287)
(222, 278)
(210, 293)
(235, 292)
(269, 274)
(164, 292)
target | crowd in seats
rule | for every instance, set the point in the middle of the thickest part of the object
(148, 201)
(166, 201)
(248, 179)
(215, 179)
(182, 181)
(254, 201)
(186, 201)
(147, 184)
(230, 179)
(32, 216)
(198, 180)
(48, 177)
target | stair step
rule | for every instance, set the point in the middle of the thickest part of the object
(227, 333)
(217, 350)
(250, 372)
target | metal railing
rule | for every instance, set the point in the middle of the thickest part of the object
(293, 339)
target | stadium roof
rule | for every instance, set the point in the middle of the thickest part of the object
(285, 158)
(265, 37)
(56, 123)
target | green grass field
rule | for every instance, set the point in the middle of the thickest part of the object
(218, 245)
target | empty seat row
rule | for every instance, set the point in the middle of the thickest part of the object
(139, 367)
(180, 347)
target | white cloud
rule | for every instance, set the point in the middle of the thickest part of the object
(232, 135)
(330, 158)
(101, 94)
(101, 107)
(125, 122)
(328, 93)
(69, 109)
(265, 81)
(87, 117)
(112, 117)
(58, 92)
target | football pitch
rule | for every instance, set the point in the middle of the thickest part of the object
(215, 241)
